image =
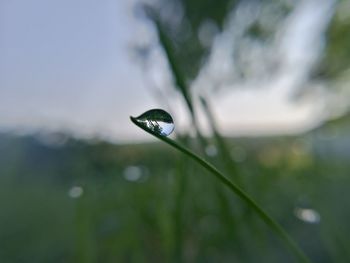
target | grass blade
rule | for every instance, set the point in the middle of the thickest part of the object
(237, 190)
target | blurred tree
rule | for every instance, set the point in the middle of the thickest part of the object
(336, 57)
(253, 39)
(191, 26)
(182, 21)
(333, 70)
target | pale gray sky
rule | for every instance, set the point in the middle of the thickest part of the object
(67, 65)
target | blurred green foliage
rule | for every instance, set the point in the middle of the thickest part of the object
(336, 58)
(181, 20)
(172, 210)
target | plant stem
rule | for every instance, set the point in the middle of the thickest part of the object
(237, 190)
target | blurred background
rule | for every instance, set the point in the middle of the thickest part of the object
(259, 88)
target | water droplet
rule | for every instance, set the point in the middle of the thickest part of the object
(307, 215)
(157, 121)
(75, 192)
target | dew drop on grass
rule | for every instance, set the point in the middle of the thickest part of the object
(157, 121)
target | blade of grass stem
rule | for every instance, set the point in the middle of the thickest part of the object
(223, 149)
(237, 190)
(178, 76)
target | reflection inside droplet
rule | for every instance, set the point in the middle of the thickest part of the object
(163, 128)
(75, 192)
(307, 215)
(157, 121)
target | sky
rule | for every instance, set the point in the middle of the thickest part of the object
(69, 66)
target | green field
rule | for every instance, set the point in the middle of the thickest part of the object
(65, 200)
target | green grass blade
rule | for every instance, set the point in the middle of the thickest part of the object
(178, 76)
(221, 143)
(237, 190)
